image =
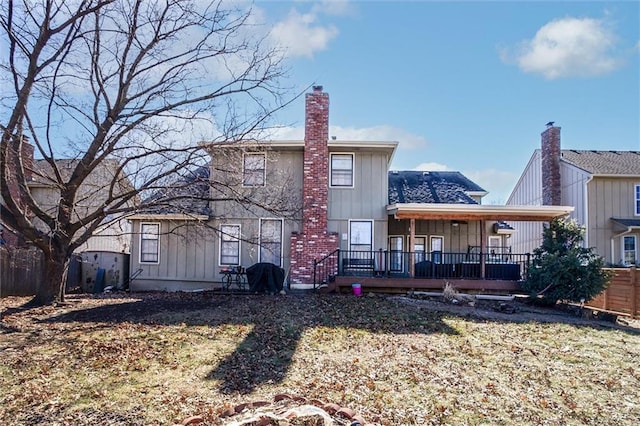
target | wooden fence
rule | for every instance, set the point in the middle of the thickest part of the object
(623, 294)
(20, 271)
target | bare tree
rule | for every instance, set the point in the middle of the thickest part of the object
(123, 81)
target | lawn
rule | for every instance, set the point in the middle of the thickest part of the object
(162, 358)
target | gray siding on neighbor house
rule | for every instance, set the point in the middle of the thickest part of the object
(527, 192)
(573, 182)
(610, 197)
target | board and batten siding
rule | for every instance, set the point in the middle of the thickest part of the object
(573, 181)
(186, 259)
(367, 200)
(610, 197)
(527, 192)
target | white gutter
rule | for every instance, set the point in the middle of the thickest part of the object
(170, 216)
(585, 214)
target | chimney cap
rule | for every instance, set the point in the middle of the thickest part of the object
(317, 88)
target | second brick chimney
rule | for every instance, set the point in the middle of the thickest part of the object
(314, 241)
(550, 150)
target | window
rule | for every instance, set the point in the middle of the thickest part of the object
(149, 243)
(342, 170)
(437, 243)
(361, 235)
(637, 200)
(629, 250)
(230, 245)
(396, 252)
(419, 248)
(253, 171)
(271, 241)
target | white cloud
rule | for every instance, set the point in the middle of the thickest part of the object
(498, 183)
(432, 167)
(568, 47)
(300, 34)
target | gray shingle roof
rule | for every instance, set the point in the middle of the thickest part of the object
(604, 162)
(188, 195)
(431, 187)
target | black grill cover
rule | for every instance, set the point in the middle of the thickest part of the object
(265, 277)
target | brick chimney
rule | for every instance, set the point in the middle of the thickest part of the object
(313, 242)
(550, 150)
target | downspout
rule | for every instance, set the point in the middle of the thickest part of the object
(585, 213)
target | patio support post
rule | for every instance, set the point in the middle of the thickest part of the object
(482, 259)
(412, 241)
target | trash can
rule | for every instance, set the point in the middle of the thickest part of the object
(357, 289)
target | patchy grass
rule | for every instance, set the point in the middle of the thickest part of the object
(160, 358)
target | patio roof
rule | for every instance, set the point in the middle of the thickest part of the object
(434, 211)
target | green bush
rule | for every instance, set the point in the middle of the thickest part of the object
(562, 269)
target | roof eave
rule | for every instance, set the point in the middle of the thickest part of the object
(476, 212)
(168, 216)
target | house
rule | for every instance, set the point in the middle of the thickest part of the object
(41, 182)
(602, 186)
(325, 210)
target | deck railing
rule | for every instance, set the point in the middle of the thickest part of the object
(436, 264)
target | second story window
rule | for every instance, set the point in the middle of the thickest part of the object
(342, 170)
(637, 200)
(253, 170)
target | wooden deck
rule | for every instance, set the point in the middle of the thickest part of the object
(402, 285)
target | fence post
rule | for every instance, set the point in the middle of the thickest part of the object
(633, 276)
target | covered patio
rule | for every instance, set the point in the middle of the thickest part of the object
(476, 259)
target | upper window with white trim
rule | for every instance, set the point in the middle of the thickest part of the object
(150, 243)
(342, 170)
(637, 191)
(230, 245)
(253, 169)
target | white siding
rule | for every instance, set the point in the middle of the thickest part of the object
(527, 192)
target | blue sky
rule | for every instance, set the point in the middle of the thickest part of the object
(466, 86)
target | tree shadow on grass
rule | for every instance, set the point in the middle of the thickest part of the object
(277, 324)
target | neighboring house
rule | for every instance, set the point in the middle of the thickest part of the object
(603, 186)
(113, 236)
(320, 202)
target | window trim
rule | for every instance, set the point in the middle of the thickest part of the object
(370, 221)
(264, 169)
(262, 219)
(353, 170)
(238, 239)
(623, 251)
(146, 262)
(396, 257)
(636, 199)
(431, 238)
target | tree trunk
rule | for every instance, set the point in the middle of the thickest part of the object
(52, 288)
